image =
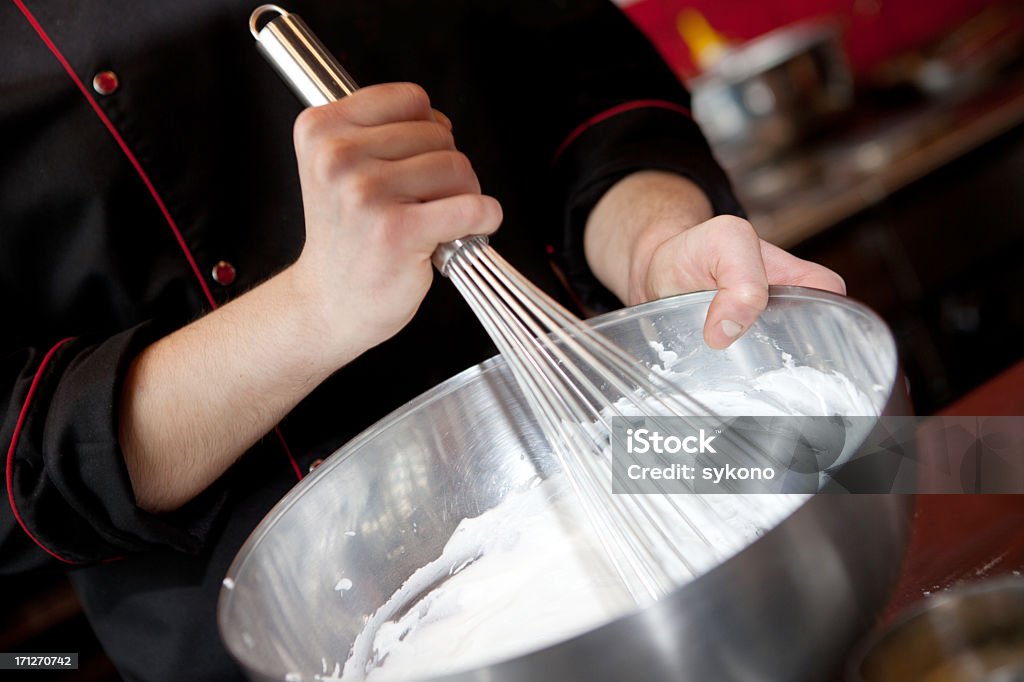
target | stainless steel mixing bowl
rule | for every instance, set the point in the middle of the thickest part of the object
(785, 608)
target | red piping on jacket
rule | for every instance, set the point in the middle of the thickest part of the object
(121, 143)
(9, 475)
(41, 32)
(288, 453)
(615, 111)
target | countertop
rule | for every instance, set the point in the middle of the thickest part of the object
(962, 539)
(794, 198)
(965, 538)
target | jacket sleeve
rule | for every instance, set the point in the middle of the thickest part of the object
(68, 497)
(616, 108)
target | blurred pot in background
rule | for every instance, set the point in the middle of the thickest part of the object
(765, 96)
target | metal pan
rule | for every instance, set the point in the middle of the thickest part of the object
(787, 607)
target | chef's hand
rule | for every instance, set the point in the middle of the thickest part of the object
(652, 236)
(382, 186)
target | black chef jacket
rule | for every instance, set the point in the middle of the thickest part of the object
(116, 208)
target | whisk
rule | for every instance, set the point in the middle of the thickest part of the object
(573, 378)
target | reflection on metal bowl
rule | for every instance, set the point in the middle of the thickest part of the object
(787, 607)
(972, 634)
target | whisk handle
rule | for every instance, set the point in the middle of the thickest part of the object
(299, 57)
(316, 77)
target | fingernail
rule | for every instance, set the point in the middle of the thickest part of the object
(731, 329)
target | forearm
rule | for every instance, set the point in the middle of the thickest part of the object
(194, 401)
(383, 185)
(631, 220)
(652, 235)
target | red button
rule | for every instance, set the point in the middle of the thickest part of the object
(105, 82)
(224, 273)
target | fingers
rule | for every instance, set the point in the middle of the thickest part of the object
(723, 253)
(785, 268)
(382, 186)
(441, 118)
(391, 123)
(737, 268)
(433, 175)
(375, 105)
(452, 217)
(395, 141)
(743, 287)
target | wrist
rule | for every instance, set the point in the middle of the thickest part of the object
(322, 342)
(641, 252)
(633, 218)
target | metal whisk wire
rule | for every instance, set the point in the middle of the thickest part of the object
(573, 378)
(539, 339)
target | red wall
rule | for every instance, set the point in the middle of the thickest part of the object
(874, 28)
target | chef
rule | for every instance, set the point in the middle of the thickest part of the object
(207, 289)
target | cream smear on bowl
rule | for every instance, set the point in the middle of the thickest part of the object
(528, 573)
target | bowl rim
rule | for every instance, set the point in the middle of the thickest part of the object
(340, 455)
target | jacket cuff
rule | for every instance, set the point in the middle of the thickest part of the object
(69, 480)
(644, 138)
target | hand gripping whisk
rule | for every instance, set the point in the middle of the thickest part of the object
(573, 378)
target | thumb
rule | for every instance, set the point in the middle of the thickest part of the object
(726, 254)
(723, 253)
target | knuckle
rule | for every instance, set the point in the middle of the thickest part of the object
(413, 96)
(751, 295)
(307, 125)
(343, 154)
(464, 212)
(839, 282)
(363, 188)
(459, 165)
(735, 227)
(467, 213)
(497, 213)
(442, 136)
(314, 123)
(335, 158)
(474, 212)
(732, 239)
(482, 214)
